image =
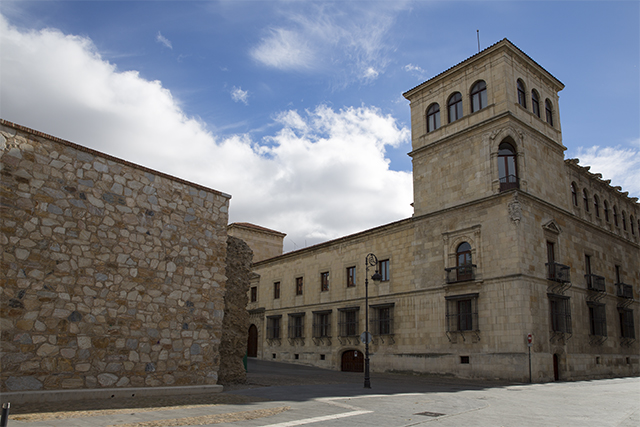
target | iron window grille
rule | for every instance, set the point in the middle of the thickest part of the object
(462, 313)
(595, 282)
(597, 319)
(624, 291)
(273, 327)
(461, 273)
(324, 281)
(558, 272)
(560, 309)
(296, 325)
(322, 324)
(348, 323)
(627, 329)
(382, 322)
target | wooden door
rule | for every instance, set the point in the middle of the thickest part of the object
(353, 361)
(252, 344)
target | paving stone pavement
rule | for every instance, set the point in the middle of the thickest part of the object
(283, 395)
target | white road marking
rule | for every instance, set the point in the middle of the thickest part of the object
(318, 419)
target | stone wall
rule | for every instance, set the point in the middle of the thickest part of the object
(233, 345)
(264, 243)
(113, 274)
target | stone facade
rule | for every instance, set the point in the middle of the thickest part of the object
(488, 258)
(113, 275)
(263, 242)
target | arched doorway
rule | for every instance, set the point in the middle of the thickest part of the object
(353, 361)
(556, 370)
(252, 344)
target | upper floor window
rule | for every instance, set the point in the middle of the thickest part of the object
(478, 96)
(351, 277)
(615, 216)
(463, 262)
(522, 97)
(433, 117)
(383, 269)
(624, 220)
(276, 290)
(455, 107)
(324, 281)
(507, 172)
(535, 103)
(299, 283)
(549, 111)
(254, 293)
(596, 205)
(574, 194)
(606, 211)
(585, 199)
(633, 230)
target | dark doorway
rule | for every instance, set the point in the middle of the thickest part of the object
(353, 361)
(556, 370)
(252, 344)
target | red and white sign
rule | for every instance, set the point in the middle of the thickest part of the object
(529, 338)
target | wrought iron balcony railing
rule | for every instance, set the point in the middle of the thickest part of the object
(462, 273)
(558, 272)
(508, 182)
(595, 282)
(624, 291)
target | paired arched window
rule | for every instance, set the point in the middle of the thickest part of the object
(507, 169)
(574, 194)
(606, 211)
(464, 262)
(455, 107)
(585, 199)
(596, 205)
(615, 216)
(478, 96)
(433, 117)
(535, 103)
(549, 111)
(522, 95)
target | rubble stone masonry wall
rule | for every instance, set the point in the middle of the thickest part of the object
(113, 275)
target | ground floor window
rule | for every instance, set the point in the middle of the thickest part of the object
(627, 329)
(349, 321)
(382, 319)
(597, 319)
(322, 324)
(296, 325)
(273, 327)
(462, 313)
(560, 313)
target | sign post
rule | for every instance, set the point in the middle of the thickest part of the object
(529, 341)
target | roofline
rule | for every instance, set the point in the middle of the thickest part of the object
(108, 156)
(598, 177)
(502, 43)
(253, 227)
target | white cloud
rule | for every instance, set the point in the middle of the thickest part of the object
(322, 175)
(283, 49)
(415, 70)
(620, 165)
(163, 40)
(239, 95)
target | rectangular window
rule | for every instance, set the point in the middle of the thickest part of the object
(382, 322)
(299, 283)
(324, 281)
(322, 324)
(618, 275)
(296, 325)
(597, 319)
(551, 260)
(254, 293)
(349, 322)
(276, 290)
(383, 269)
(462, 313)
(273, 327)
(560, 313)
(627, 329)
(351, 277)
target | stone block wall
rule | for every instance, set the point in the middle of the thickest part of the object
(113, 275)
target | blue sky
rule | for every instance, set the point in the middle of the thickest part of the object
(295, 108)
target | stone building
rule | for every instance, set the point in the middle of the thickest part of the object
(507, 239)
(113, 275)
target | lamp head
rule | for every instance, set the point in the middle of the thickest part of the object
(376, 276)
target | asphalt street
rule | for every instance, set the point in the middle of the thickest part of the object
(283, 395)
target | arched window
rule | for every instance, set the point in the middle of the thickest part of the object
(478, 96)
(633, 227)
(606, 211)
(574, 194)
(596, 205)
(507, 170)
(624, 220)
(615, 216)
(585, 199)
(522, 95)
(433, 117)
(463, 262)
(549, 110)
(535, 103)
(455, 107)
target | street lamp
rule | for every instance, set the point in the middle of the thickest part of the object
(370, 260)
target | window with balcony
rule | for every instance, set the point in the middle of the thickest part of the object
(507, 170)
(324, 281)
(594, 282)
(464, 269)
(522, 97)
(455, 107)
(276, 290)
(556, 271)
(462, 313)
(478, 96)
(382, 319)
(535, 103)
(560, 309)
(627, 329)
(348, 324)
(383, 270)
(296, 325)
(351, 277)
(433, 117)
(597, 319)
(322, 324)
(273, 327)
(299, 283)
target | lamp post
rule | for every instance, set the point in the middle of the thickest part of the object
(370, 260)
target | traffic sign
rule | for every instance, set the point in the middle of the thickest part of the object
(366, 337)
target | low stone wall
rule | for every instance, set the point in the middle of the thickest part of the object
(113, 274)
(235, 325)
